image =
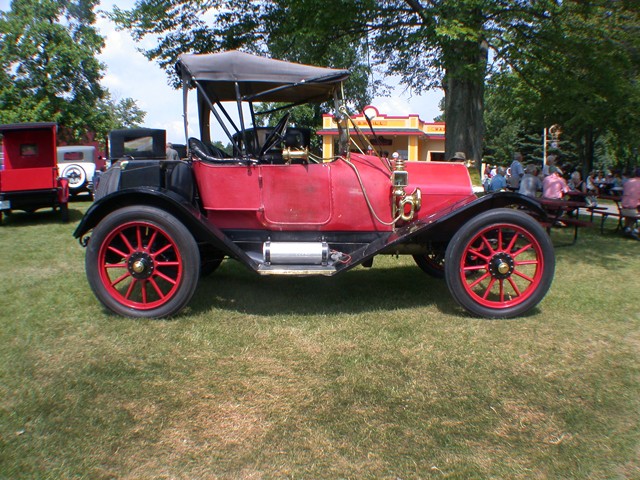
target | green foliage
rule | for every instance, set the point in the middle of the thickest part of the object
(48, 57)
(228, 148)
(573, 63)
(49, 70)
(296, 31)
(577, 66)
(122, 114)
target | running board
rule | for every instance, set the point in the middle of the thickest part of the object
(297, 270)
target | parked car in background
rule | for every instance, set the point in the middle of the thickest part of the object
(277, 208)
(137, 144)
(29, 178)
(79, 164)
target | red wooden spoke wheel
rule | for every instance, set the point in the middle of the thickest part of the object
(500, 264)
(142, 262)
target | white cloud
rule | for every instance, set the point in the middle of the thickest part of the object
(404, 102)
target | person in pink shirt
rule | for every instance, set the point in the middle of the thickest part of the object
(554, 186)
(630, 202)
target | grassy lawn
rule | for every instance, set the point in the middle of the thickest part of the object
(372, 374)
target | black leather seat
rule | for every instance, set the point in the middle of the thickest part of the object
(208, 153)
(180, 180)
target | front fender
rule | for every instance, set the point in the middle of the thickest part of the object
(442, 225)
(169, 201)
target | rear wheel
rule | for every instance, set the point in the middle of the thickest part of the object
(142, 262)
(500, 264)
(432, 262)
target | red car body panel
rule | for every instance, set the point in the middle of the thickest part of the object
(38, 178)
(321, 197)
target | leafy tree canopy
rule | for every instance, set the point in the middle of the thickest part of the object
(429, 44)
(579, 69)
(559, 61)
(49, 70)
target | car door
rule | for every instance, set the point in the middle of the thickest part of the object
(296, 197)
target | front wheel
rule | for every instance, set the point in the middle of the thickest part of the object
(142, 262)
(500, 264)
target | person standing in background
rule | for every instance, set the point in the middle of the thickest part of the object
(517, 171)
(630, 203)
(172, 154)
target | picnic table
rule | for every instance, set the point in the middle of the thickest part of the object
(557, 211)
(617, 213)
(609, 188)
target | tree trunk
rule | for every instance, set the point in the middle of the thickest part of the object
(589, 147)
(464, 100)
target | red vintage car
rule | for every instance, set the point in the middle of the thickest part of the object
(278, 209)
(29, 172)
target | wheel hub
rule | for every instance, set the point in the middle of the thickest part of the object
(501, 265)
(140, 265)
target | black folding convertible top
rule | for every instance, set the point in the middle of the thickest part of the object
(258, 78)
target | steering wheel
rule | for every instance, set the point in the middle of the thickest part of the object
(276, 135)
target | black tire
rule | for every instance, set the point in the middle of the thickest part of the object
(142, 262)
(500, 264)
(432, 262)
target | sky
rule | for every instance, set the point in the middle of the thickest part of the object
(129, 74)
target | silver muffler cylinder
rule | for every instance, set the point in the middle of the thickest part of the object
(295, 253)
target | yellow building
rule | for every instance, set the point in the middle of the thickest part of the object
(411, 137)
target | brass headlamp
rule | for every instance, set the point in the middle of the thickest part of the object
(400, 198)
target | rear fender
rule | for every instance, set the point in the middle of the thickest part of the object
(63, 190)
(169, 201)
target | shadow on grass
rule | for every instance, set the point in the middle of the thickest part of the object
(77, 207)
(235, 288)
(609, 249)
(39, 217)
